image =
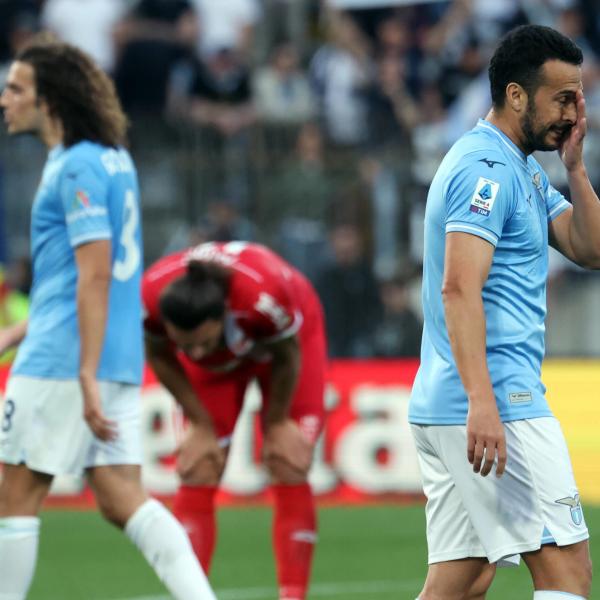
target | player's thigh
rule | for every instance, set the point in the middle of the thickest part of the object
(451, 535)
(565, 568)
(43, 425)
(118, 491)
(222, 395)
(307, 406)
(466, 579)
(22, 491)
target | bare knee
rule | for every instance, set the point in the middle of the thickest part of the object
(22, 491)
(564, 568)
(281, 472)
(467, 579)
(206, 472)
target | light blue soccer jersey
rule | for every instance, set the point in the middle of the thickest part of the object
(88, 192)
(487, 187)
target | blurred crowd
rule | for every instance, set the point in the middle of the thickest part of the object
(300, 124)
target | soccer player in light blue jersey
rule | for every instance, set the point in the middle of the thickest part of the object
(72, 401)
(478, 401)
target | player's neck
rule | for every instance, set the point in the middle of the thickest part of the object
(52, 133)
(509, 126)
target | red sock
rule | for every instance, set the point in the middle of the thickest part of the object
(195, 509)
(294, 538)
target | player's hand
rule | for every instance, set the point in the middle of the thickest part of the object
(486, 440)
(284, 441)
(103, 428)
(571, 148)
(199, 455)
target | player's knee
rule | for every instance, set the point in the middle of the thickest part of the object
(206, 472)
(282, 472)
(481, 585)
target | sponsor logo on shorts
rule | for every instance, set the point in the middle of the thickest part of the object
(520, 397)
(575, 507)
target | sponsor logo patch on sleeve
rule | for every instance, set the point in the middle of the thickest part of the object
(484, 196)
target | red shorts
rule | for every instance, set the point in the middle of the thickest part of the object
(222, 394)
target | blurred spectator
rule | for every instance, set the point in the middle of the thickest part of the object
(285, 20)
(350, 295)
(340, 71)
(19, 20)
(217, 97)
(282, 91)
(155, 37)
(87, 24)
(399, 332)
(296, 204)
(227, 24)
(392, 116)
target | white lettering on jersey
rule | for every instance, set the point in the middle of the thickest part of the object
(267, 305)
(116, 161)
(484, 196)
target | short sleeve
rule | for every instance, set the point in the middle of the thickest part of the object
(84, 196)
(556, 203)
(270, 313)
(479, 198)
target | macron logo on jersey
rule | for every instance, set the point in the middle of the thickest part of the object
(484, 196)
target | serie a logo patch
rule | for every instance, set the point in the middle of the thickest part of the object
(484, 196)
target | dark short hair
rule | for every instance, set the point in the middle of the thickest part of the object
(521, 54)
(77, 91)
(195, 297)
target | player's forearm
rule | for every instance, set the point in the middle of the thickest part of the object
(585, 224)
(285, 368)
(465, 321)
(170, 373)
(92, 311)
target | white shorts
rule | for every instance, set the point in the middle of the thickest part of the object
(42, 426)
(535, 502)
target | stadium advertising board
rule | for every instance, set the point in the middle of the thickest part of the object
(366, 453)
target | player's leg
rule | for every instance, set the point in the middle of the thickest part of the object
(21, 495)
(563, 564)
(466, 579)
(38, 418)
(114, 474)
(152, 528)
(222, 395)
(564, 569)
(294, 517)
(458, 567)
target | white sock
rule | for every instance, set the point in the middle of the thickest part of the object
(18, 555)
(164, 543)
(543, 595)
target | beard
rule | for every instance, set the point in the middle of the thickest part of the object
(536, 136)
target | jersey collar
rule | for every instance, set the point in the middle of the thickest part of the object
(483, 124)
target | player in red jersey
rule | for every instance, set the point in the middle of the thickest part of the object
(217, 317)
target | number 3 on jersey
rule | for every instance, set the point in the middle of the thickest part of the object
(129, 262)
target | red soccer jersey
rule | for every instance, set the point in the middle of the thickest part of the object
(268, 299)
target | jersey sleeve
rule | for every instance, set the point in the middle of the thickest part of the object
(84, 196)
(270, 313)
(556, 203)
(479, 198)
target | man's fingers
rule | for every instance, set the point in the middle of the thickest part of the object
(478, 456)
(501, 458)
(471, 449)
(490, 455)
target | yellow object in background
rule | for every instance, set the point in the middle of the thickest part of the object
(573, 391)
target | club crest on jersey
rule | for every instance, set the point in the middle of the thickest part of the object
(575, 507)
(484, 196)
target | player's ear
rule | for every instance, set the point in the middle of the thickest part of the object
(516, 97)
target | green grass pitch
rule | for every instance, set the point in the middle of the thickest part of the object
(364, 553)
